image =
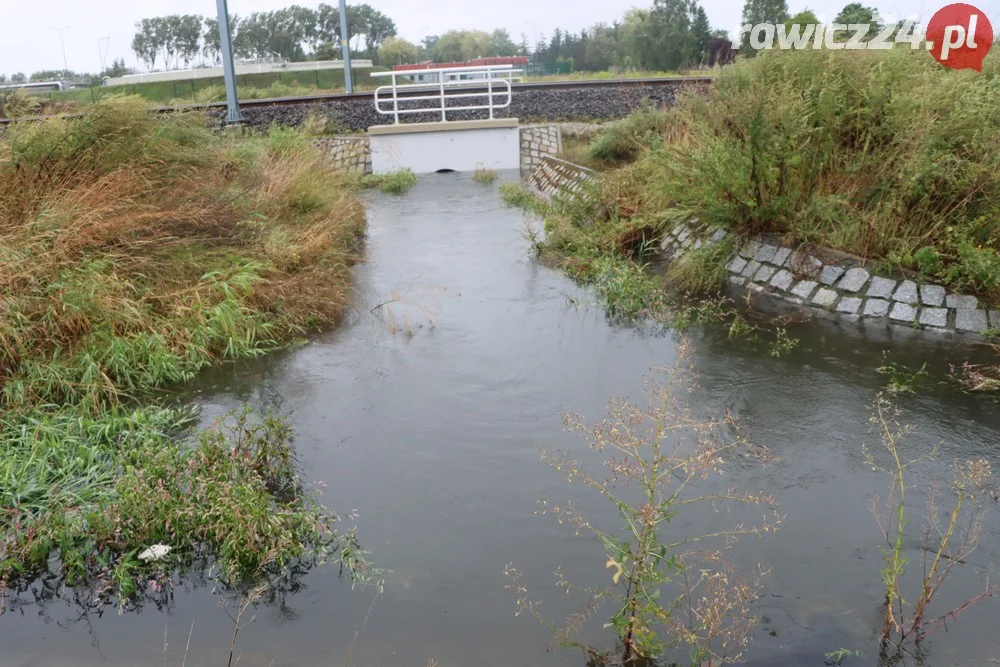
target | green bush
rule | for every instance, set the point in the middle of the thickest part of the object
(626, 140)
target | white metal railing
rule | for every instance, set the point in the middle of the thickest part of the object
(445, 85)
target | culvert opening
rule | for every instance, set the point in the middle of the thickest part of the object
(445, 171)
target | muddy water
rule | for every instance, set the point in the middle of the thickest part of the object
(424, 412)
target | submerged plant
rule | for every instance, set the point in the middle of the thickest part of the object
(516, 195)
(484, 176)
(951, 533)
(668, 586)
(902, 379)
(394, 183)
(97, 492)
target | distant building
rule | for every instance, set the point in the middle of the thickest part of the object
(423, 72)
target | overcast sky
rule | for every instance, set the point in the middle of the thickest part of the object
(29, 43)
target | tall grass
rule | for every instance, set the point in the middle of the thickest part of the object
(134, 251)
(883, 154)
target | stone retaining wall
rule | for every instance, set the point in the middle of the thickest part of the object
(536, 141)
(552, 175)
(825, 280)
(347, 153)
(841, 287)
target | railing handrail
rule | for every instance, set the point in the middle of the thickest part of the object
(492, 78)
(465, 68)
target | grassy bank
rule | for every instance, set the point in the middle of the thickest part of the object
(886, 155)
(136, 251)
(251, 86)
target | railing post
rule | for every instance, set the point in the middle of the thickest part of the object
(395, 100)
(489, 89)
(444, 113)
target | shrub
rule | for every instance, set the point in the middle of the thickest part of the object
(626, 140)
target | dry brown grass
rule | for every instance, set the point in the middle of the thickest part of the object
(120, 225)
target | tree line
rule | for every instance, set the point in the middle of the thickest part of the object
(294, 34)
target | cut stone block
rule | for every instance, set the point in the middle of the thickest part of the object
(825, 297)
(903, 312)
(906, 292)
(853, 280)
(781, 256)
(804, 288)
(804, 264)
(683, 233)
(876, 308)
(718, 235)
(765, 253)
(830, 274)
(737, 280)
(969, 319)
(764, 274)
(849, 305)
(699, 243)
(736, 264)
(994, 317)
(934, 317)
(881, 288)
(932, 295)
(751, 268)
(749, 249)
(962, 301)
(782, 280)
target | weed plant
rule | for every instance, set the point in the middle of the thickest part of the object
(394, 183)
(668, 587)
(484, 176)
(953, 526)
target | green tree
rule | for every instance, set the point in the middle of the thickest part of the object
(397, 51)
(18, 77)
(601, 48)
(774, 12)
(631, 34)
(144, 43)
(856, 14)
(116, 69)
(448, 47)
(797, 24)
(187, 37)
(501, 44)
(701, 32)
(475, 44)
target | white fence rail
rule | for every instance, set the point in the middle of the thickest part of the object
(446, 90)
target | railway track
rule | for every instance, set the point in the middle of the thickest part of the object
(370, 94)
(541, 85)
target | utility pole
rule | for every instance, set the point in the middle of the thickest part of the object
(62, 45)
(228, 69)
(345, 47)
(103, 53)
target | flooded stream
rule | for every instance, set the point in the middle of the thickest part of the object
(425, 410)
